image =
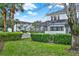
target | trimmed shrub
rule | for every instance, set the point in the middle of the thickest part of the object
(61, 38)
(40, 37)
(55, 38)
(8, 36)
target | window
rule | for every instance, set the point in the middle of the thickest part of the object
(57, 28)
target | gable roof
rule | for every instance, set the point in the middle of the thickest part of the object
(23, 22)
(47, 23)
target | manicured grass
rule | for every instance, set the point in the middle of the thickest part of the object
(26, 47)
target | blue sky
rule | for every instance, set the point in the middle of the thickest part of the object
(36, 11)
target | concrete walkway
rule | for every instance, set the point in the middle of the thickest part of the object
(26, 35)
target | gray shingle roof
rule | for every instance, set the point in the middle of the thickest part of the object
(47, 23)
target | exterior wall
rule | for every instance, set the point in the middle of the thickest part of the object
(16, 29)
(9, 30)
(25, 27)
(56, 32)
(0, 29)
(67, 29)
(28, 28)
(63, 16)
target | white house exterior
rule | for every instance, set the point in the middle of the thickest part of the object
(59, 22)
(22, 26)
(57, 27)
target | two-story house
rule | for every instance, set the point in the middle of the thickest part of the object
(58, 23)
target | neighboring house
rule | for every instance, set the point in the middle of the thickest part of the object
(58, 23)
(22, 26)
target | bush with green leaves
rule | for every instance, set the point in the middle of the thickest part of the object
(62, 38)
(8, 36)
(55, 38)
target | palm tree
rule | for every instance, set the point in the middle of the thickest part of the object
(3, 12)
(12, 11)
(15, 7)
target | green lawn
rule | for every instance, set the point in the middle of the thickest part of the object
(27, 47)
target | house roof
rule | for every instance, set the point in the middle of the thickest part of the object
(47, 23)
(23, 22)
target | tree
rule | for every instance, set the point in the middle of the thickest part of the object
(11, 9)
(1, 23)
(74, 25)
(1, 45)
(37, 26)
(3, 12)
(15, 7)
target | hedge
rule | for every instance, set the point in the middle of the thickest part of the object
(8, 36)
(55, 38)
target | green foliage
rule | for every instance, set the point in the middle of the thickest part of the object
(8, 36)
(40, 37)
(55, 38)
(3, 5)
(62, 38)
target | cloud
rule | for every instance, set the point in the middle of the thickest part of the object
(17, 13)
(60, 6)
(50, 6)
(29, 6)
(29, 12)
(32, 13)
(56, 6)
(24, 16)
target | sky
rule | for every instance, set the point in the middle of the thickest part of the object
(37, 12)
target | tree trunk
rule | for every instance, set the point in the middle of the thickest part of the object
(16, 26)
(4, 19)
(12, 16)
(1, 45)
(72, 20)
(75, 42)
(12, 21)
